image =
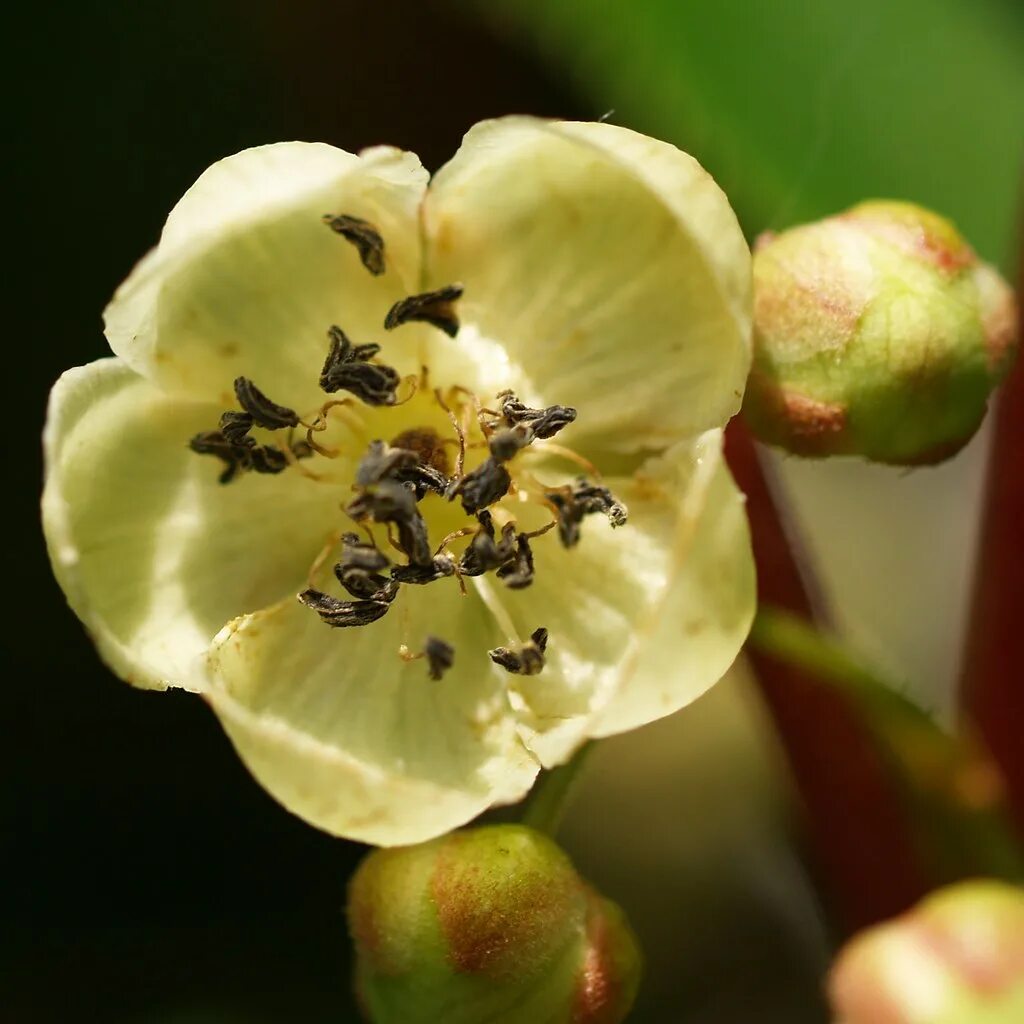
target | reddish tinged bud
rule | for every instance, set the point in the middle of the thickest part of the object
(487, 924)
(878, 333)
(956, 958)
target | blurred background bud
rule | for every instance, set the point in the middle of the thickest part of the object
(879, 333)
(488, 924)
(957, 958)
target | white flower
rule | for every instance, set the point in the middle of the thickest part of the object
(602, 270)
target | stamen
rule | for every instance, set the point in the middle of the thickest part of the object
(363, 235)
(439, 654)
(572, 456)
(235, 425)
(358, 571)
(505, 442)
(440, 657)
(544, 423)
(438, 568)
(435, 308)
(526, 659)
(265, 413)
(518, 573)
(572, 504)
(484, 553)
(392, 502)
(381, 462)
(346, 368)
(341, 614)
(234, 455)
(460, 461)
(483, 486)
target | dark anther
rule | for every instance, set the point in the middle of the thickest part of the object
(484, 553)
(381, 463)
(435, 308)
(235, 425)
(267, 459)
(234, 455)
(392, 502)
(506, 441)
(518, 573)
(346, 368)
(485, 485)
(583, 499)
(422, 479)
(440, 656)
(239, 452)
(359, 570)
(438, 568)
(363, 235)
(343, 613)
(264, 412)
(387, 502)
(526, 659)
(544, 423)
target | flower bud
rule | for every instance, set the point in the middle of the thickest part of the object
(957, 958)
(878, 333)
(487, 924)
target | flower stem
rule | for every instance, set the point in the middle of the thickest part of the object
(947, 783)
(856, 823)
(550, 797)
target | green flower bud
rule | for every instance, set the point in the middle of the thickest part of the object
(956, 958)
(878, 333)
(487, 924)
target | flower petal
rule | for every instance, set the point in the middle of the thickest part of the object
(247, 278)
(153, 554)
(641, 619)
(609, 266)
(359, 742)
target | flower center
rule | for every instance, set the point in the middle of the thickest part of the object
(443, 484)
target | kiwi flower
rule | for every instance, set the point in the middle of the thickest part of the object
(337, 379)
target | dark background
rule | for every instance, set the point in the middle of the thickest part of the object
(145, 876)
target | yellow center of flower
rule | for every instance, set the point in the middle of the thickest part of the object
(434, 482)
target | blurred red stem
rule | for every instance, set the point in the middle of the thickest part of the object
(993, 681)
(857, 824)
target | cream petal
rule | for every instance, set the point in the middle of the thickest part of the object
(246, 278)
(608, 266)
(153, 554)
(357, 741)
(644, 618)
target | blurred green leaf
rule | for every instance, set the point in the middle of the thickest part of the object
(802, 107)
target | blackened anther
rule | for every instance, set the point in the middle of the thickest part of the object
(483, 486)
(363, 235)
(339, 613)
(517, 574)
(544, 423)
(440, 656)
(583, 499)
(435, 308)
(264, 412)
(346, 368)
(526, 659)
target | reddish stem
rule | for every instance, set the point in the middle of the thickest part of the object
(858, 828)
(993, 680)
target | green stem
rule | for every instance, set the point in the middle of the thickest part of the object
(550, 796)
(948, 783)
